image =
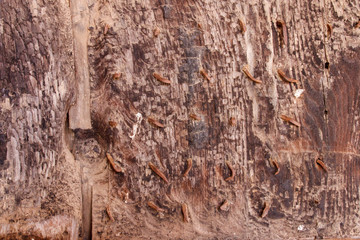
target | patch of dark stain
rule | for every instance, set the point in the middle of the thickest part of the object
(138, 56)
(321, 205)
(167, 11)
(253, 143)
(84, 133)
(312, 129)
(192, 52)
(313, 175)
(188, 70)
(316, 58)
(330, 203)
(286, 186)
(17, 200)
(188, 41)
(3, 149)
(215, 129)
(342, 227)
(198, 135)
(44, 124)
(256, 197)
(115, 88)
(276, 42)
(120, 179)
(96, 149)
(131, 159)
(30, 159)
(275, 210)
(260, 166)
(258, 219)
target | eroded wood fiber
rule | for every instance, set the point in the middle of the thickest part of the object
(230, 127)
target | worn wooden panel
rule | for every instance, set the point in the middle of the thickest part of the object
(39, 183)
(225, 122)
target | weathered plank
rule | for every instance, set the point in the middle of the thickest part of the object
(303, 200)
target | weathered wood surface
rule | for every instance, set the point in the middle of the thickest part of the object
(227, 124)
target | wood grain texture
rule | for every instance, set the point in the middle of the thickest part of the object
(305, 201)
(39, 176)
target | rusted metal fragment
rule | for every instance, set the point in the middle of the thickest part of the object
(189, 166)
(194, 117)
(116, 76)
(290, 120)
(113, 164)
(158, 172)
(185, 212)
(285, 78)
(321, 164)
(248, 74)
(112, 123)
(161, 79)
(204, 74)
(242, 26)
(276, 166)
(155, 207)
(155, 123)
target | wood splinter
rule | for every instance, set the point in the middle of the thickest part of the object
(285, 78)
(156, 32)
(357, 25)
(265, 210)
(116, 76)
(329, 30)
(189, 166)
(204, 74)
(161, 79)
(155, 207)
(113, 164)
(106, 28)
(155, 123)
(225, 206)
(231, 170)
(242, 26)
(321, 164)
(194, 117)
(248, 74)
(276, 166)
(232, 121)
(282, 32)
(112, 123)
(290, 120)
(185, 212)
(108, 211)
(158, 172)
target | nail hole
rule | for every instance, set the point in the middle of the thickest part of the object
(326, 112)
(279, 23)
(327, 65)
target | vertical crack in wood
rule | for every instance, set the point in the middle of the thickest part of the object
(87, 196)
(326, 71)
(80, 112)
